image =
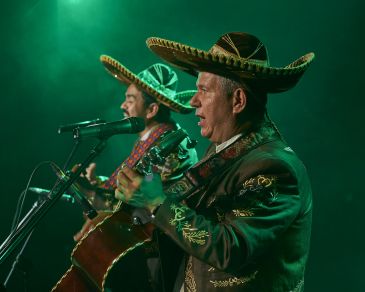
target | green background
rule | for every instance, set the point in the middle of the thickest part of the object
(50, 75)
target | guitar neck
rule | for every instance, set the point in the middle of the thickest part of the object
(104, 199)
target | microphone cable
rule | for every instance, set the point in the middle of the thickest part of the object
(23, 194)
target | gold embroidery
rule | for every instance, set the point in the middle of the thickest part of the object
(263, 181)
(180, 187)
(220, 216)
(299, 286)
(233, 281)
(243, 213)
(257, 183)
(189, 276)
(191, 234)
(211, 269)
(179, 211)
(194, 235)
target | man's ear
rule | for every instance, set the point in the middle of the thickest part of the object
(152, 110)
(239, 100)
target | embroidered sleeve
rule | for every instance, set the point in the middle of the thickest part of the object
(254, 192)
(263, 207)
(189, 232)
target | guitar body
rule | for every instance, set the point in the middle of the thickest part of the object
(115, 238)
(97, 252)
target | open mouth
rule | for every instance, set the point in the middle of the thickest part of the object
(201, 120)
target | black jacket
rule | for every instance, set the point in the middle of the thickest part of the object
(249, 228)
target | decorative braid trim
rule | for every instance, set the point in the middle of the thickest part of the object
(189, 276)
(294, 68)
(299, 287)
(233, 281)
(130, 77)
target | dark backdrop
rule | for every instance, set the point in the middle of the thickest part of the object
(50, 74)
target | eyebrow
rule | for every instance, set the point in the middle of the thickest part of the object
(200, 84)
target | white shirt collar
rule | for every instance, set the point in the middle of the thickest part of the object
(146, 135)
(225, 144)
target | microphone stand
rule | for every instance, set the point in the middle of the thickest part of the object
(40, 209)
(18, 258)
(73, 151)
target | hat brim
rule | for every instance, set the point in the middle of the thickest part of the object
(193, 60)
(120, 72)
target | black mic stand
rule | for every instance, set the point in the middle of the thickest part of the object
(40, 209)
(18, 262)
(18, 259)
(73, 151)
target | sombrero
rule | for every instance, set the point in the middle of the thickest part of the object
(158, 80)
(236, 55)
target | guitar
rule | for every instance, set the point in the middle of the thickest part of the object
(116, 235)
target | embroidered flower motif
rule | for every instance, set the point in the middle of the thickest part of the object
(231, 152)
(206, 169)
(256, 184)
(194, 235)
(190, 233)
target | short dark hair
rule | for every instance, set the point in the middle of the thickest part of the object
(256, 99)
(164, 113)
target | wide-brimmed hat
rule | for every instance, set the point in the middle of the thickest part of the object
(158, 81)
(236, 55)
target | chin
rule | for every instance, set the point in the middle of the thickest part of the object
(205, 134)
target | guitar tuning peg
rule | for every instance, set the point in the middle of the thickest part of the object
(191, 143)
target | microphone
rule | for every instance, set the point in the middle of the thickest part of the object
(105, 130)
(43, 193)
(71, 127)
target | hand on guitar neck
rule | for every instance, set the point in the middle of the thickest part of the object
(91, 186)
(139, 191)
(90, 175)
(87, 182)
(133, 189)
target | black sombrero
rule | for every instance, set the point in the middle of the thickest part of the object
(237, 55)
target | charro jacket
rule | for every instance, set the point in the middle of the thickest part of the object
(248, 228)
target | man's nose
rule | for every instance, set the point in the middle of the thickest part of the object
(194, 100)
